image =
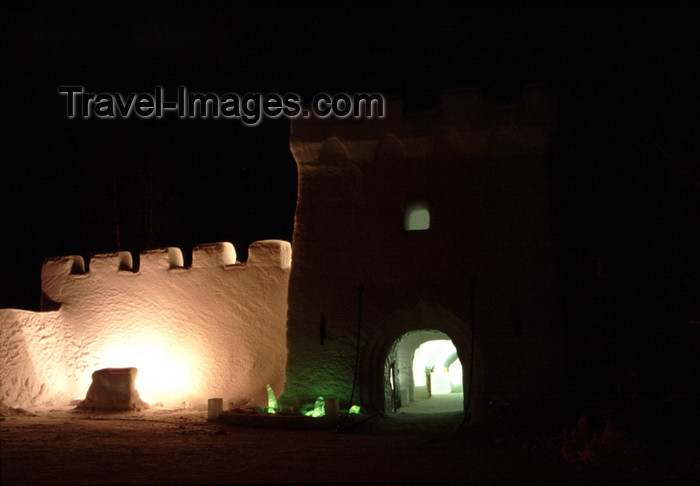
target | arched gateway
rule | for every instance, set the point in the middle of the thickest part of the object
(389, 353)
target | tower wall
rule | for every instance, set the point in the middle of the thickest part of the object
(480, 169)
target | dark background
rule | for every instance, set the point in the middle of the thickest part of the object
(623, 163)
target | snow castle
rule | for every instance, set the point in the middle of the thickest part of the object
(408, 229)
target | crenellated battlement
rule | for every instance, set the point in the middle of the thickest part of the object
(209, 324)
(221, 254)
(66, 279)
(463, 123)
(61, 271)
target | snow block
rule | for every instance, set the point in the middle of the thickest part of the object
(161, 259)
(389, 148)
(55, 271)
(460, 101)
(113, 389)
(65, 265)
(111, 262)
(214, 255)
(446, 144)
(175, 257)
(332, 153)
(277, 253)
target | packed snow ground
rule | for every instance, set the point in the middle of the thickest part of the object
(160, 446)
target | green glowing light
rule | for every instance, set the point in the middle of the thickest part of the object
(319, 408)
(272, 405)
(307, 409)
(354, 409)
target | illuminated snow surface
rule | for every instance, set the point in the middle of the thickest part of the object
(215, 329)
(159, 446)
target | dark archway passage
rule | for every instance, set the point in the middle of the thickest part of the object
(387, 363)
(424, 374)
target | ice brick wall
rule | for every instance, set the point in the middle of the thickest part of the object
(215, 329)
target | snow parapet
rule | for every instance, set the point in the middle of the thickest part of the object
(463, 123)
(217, 328)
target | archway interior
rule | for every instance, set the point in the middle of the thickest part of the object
(436, 361)
(419, 357)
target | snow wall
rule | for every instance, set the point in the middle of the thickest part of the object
(215, 329)
(480, 169)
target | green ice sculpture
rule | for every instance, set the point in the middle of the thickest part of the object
(319, 408)
(272, 405)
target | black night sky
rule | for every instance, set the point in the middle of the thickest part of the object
(624, 166)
